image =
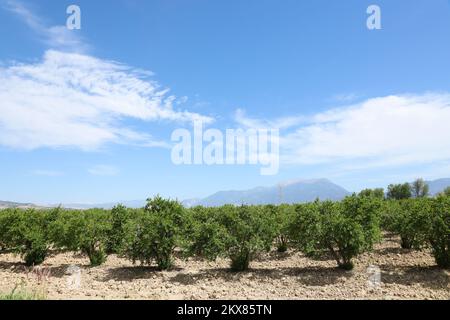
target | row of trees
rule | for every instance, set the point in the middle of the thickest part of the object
(418, 189)
(342, 230)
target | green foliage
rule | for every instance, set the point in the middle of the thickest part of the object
(204, 234)
(6, 220)
(399, 191)
(27, 233)
(410, 222)
(306, 228)
(238, 233)
(439, 231)
(153, 234)
(85, 231)
(119, 217)
(344, 229)
(420, 189)
(249, 230)
(389, 211)
(375, 193)
(20, 293)
(283, 215)
(446, 192)
(350, 227)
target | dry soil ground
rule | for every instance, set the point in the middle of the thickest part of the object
(404, 275)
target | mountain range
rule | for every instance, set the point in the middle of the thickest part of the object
(296, 191)
(287, 192)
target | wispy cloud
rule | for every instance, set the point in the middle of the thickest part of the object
(75, 100)
(345, 97)
(379, 132)
(279, 123)
(48, 173)
(56, 37)
(104, 170)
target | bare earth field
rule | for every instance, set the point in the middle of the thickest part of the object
(404, 275)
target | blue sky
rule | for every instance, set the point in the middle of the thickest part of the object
(361, 107)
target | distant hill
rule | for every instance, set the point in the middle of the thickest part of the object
(289, 192)
(108, 205)
(10, 204)
(296, 191)
(439, 185)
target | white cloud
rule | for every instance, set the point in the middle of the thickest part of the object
(279, 123)
(104, 170)
(387, 131)
(48, 173)
(75, 100)
(345, 97)
(56, 37)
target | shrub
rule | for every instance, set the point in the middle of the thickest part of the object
(283, 215)
(249, 231)
(411, 221)
(304, 231)
(204, 233)
(85, 231)
(389, 211)
(119, 217)
(27, 233)
(6, 219)
(238, 233)
(439, 231)
(154, 233)
(344, 229)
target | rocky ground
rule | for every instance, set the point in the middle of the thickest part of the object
(404, 274)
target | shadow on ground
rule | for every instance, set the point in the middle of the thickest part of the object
(309, 276)
(430, 277)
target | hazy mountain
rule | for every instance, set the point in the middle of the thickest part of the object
(108, 205)
(438, 185)
(288, 192)
(10, 204)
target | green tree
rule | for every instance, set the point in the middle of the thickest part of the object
(399, 191)
(86, 231)
(283, 215)
(119, 216)
(376, 193)
(154, 233)
(439, 231)
(250, 230)
(204, 233)
(238, 233)
(344, 229)
(410, 222)
(420, 188)
(27, 233)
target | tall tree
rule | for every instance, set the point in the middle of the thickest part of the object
(399, 191)
(420, 188)
(375, 193)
